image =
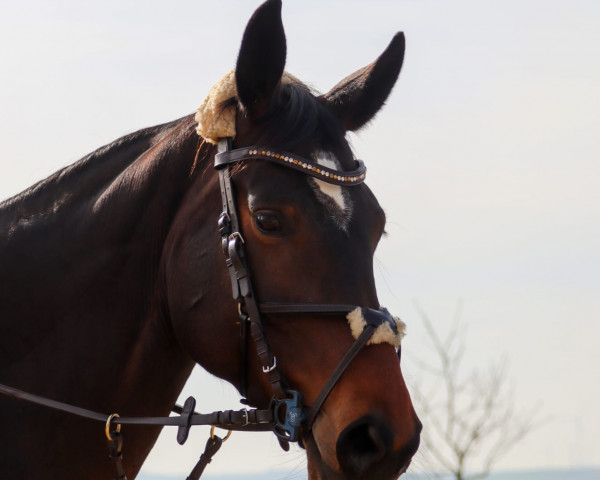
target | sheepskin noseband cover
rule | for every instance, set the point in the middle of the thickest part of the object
(386, 332)
(215, 121)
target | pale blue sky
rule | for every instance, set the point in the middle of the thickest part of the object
(485, 159)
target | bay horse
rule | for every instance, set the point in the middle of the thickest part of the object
(116, 279)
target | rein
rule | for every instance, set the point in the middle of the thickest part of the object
(287, 414)
(249, 420)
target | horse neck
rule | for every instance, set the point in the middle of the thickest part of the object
(80, 260)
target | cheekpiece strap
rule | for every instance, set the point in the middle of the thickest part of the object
(236, 260)
(329, 175)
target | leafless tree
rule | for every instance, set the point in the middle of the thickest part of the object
(470, 420)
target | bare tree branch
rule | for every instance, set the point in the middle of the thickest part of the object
(466, 417)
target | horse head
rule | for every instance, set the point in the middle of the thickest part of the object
(306, 240)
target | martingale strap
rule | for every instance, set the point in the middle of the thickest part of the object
(244, 420)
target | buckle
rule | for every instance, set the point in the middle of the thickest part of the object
(236, 235)
(266, 369)
(224, 224)
(288, 416)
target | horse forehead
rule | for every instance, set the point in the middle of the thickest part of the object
(335, 198)
(329, 160)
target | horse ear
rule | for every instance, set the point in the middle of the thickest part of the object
(358, 97)
(261, 59)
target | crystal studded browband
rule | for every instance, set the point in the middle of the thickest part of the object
(354, 177)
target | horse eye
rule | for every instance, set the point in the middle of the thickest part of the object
(267, 222)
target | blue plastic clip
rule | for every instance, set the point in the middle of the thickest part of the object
(288, 416)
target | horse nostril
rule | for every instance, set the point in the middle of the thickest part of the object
(362, 444)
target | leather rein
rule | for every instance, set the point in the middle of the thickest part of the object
(287, 414)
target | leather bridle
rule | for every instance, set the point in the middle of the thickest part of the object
(287, 414)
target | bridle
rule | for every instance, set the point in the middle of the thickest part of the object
(286, 414)
(289, 413)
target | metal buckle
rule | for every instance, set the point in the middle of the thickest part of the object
(271, 368)
(224, 224)
(293, 416)
(236, 235)
(246, 418)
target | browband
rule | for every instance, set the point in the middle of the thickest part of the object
(329, 175)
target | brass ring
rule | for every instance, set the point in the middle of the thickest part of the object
(212, 433)
(107, 427)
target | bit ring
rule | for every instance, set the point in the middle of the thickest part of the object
(107, 426)
(212, 433)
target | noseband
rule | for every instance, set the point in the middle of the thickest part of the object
(289, 413)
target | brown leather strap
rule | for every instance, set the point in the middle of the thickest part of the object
(355, 177)
(373, 319)
(115, 447)
(319, 308)
(259, 420)
(241, 282)
(213, 445)
(54, 404)
(356, 347)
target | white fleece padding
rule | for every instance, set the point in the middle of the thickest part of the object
(216, 122)
(383, 334)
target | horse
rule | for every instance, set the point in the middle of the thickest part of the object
(116, 279)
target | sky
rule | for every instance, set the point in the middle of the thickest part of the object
(485, 160)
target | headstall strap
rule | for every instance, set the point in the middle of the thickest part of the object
(309, 167)
(235, 257)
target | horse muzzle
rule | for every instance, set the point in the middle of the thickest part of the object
(364, 450)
